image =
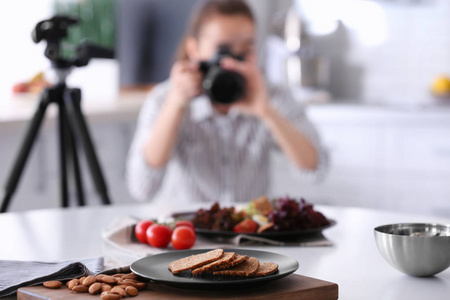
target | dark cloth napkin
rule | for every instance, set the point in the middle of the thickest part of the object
(16, 274)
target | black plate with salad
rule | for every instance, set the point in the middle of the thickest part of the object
(277, 218)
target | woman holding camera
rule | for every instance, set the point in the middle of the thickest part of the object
(214, 151)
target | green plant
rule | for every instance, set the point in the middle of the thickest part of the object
(97, 22)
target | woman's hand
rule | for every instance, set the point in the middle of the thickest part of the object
(185, 79)
(255, 99)
(185, 82)
(297, 146)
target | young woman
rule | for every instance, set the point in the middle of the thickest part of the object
(204, 151)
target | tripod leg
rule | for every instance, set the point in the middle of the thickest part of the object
(72, 100)
(22, 156)
(73, 155)
(63, 145)
(77, 174)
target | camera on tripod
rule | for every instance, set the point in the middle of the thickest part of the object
(73, 128)
(222, 86)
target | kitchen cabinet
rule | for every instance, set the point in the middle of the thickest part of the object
(423, 149)
(380, 157)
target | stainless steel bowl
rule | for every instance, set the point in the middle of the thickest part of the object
(415, 249)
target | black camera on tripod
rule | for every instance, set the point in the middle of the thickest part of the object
(73, 128)
(222, 86)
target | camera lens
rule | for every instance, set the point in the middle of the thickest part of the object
(223, 86)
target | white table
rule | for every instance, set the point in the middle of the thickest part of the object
(354, 262)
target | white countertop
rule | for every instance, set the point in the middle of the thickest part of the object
(357, 113)
(354, 262)
(18, 109)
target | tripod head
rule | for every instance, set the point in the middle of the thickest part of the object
(54, 30)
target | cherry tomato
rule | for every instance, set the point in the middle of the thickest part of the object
(184, 223)
(158, 235)
(141, 230)
(183, 237)
(248, 226)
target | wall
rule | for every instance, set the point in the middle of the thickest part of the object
(382, 52)
(20, 57)
(386, 51)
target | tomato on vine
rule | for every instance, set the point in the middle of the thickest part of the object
(183, 237)
(184, 223)
(159, 235)
(141, 230)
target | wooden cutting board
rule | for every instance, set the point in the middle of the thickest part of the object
(291, 287)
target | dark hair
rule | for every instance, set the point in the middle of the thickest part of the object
(204, 11)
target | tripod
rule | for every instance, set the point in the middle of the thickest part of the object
(71, 123)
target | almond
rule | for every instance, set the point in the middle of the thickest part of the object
(130, 282)
(140, 285)
(99, 277)
(106, 287)
(118, 290)
(95, 288)
(109, 279)
(54, 284)
(118, 275)
(110, 296)
(131, 291)
(88, 280)
(80, 289)
(130, 276)
(122, 286)
(72, 283)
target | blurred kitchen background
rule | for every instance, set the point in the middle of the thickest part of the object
(372, 74)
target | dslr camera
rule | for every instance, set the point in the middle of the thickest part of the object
(222, 86)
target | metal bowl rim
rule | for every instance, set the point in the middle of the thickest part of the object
(380, 229)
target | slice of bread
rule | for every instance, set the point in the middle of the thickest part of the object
(244, 269)
(237, 260)
(266, 268)
(221, 263)
(195, 261)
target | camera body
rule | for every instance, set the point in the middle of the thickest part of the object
(54, 30)
(222, 86)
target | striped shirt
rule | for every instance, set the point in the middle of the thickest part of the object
(224, 158)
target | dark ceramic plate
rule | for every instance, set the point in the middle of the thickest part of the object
(155, 267)
(269, 234)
